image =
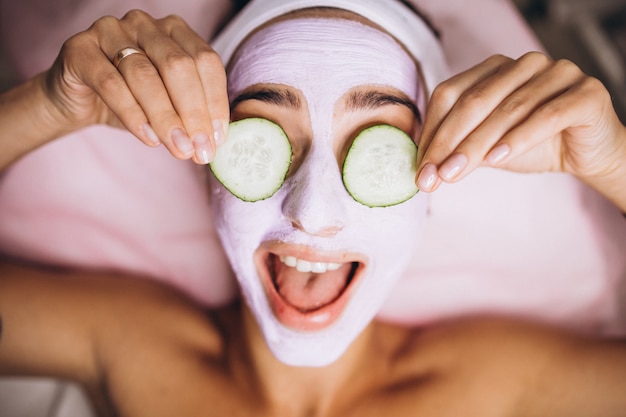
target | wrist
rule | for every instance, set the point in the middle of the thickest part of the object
(610, 177)
(53, 114)
(30, 119)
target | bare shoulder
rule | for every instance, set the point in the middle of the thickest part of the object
(166, 354)
(454, 368)
(114, 303)
(160, 315)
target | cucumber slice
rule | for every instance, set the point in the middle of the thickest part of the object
(380, 167)
(254, 161)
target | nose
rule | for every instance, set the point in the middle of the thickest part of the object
(315, 202)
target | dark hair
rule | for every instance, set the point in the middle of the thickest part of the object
(422, 16)
(238, 4)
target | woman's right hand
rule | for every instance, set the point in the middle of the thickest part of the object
(172, 92)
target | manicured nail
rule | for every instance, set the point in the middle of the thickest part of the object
(219, 132)
(498, 153)
(182, 142)
(150, 134)
(426, 179)
(453, 166)
(204, 150)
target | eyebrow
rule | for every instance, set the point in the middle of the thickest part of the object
(358, 100)
(271, 95)
(367, 100)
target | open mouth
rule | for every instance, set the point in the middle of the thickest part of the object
(307, 293)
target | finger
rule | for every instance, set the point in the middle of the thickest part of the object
(576, 108)
(440, 104)
(428, 179)
(87, 62)
(179, 62)
(511, 112)
(148, 83)
(212, 76)
(446, 95)
(475, 106)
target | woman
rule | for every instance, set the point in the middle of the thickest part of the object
(266, 350)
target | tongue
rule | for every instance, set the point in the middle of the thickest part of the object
(307, 290)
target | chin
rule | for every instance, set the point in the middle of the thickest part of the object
(300, 350)
(313, 331)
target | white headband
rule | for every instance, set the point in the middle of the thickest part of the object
(397, 19)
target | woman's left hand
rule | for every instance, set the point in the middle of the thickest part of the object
(527, 115)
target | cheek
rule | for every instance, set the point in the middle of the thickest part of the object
(390, 234)
(232, 218)
(243, 225)
(243, 219)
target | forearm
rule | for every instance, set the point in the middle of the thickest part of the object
(610, 180)
(47, 325)
(28, 120)
(78, 324)
(613, 187)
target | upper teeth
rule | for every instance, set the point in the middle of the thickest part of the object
(308, 266)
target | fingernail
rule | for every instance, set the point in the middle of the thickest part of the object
(453, 166)
(427, 177)
(219, 132)
(182, 142)
(150, 134)
(498, 153)
(204, 150)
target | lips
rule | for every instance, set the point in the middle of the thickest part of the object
(307, 291)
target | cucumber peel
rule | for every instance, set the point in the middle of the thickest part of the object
(253, 162)
(380, 167)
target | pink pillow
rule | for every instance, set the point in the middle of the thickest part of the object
(100, 198)
(538, 245)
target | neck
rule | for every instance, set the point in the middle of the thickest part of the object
(318, 390)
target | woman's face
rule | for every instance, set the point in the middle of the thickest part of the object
(313, 264)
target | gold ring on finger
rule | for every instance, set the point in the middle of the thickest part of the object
(125, 53)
